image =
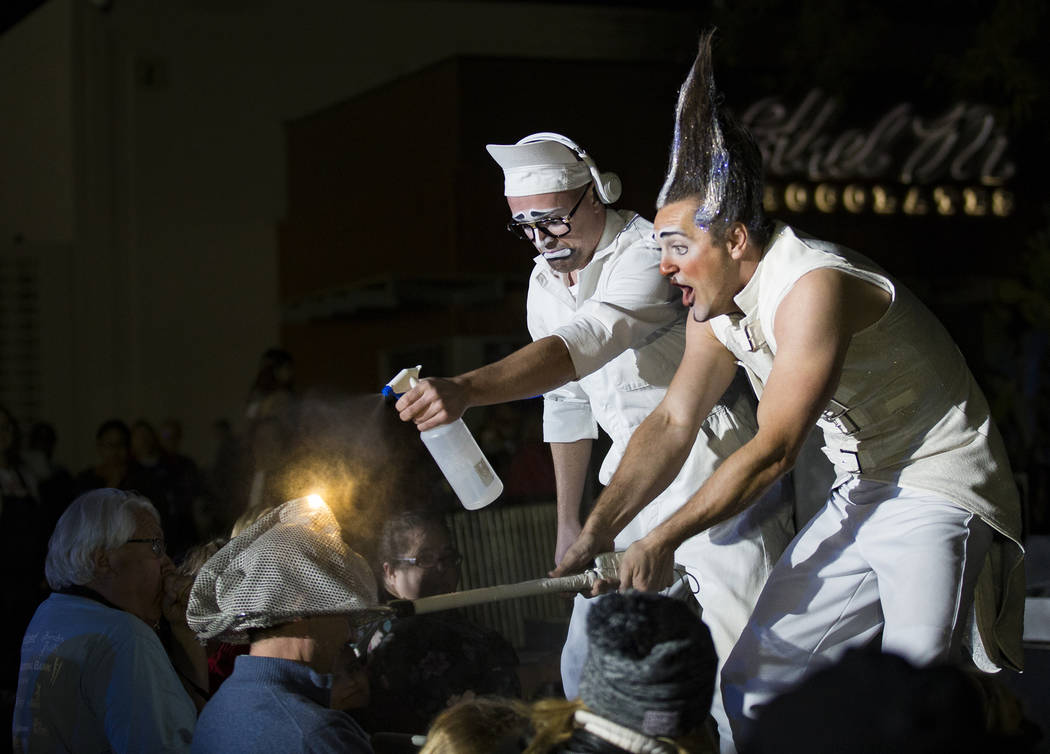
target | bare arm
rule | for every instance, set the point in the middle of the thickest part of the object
(814, 325)
(571, 460)
(536, 368)
(659, 446)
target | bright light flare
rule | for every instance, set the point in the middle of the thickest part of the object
(315, 501)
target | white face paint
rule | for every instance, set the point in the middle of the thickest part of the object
(547, 245)
(574, 250)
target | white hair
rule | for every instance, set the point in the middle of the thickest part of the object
(101, 519)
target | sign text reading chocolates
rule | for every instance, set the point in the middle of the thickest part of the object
(954, 163)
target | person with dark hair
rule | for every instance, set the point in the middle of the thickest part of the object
(924, 512)
(184, 475)
(607, 337)
(417, 556)
(881, 702)
(115, 468)
(271, 392)
(173, 494)
(23, 543)
(54, 482)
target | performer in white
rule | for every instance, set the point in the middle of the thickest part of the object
(924, 511)
(608, 335)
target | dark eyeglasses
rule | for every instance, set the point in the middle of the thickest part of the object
(551, 226)
(426, 560)
(156, 544)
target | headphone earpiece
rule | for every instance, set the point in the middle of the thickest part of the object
(606, 185)
(609, 187)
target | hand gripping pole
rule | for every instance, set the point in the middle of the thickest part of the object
(606, 567)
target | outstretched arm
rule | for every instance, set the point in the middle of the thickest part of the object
(659, 446)
(635, 303)
(813, 328)
(536, 368)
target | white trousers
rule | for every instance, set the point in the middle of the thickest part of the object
(876, 558)
(728, 562)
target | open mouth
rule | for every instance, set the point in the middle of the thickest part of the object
(687, 293)
(557, 254)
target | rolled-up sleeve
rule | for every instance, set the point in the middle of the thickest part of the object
(636, 305)
(567, 415)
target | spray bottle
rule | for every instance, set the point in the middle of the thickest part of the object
(456, 452)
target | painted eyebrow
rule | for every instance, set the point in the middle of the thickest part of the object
(666, 233)
(535, 213)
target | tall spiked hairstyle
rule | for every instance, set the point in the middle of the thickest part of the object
(714, 160)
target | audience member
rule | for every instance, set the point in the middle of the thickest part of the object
(418, 666)
(221, 655)
(174, 502)
(647, 682)
(290, 587)
(223, 478)
(874, 702)
(115, 467)
(54, 482)
(425, 663)
(351, 689)
(261, 489)
(170, 437)
(22, 548)
(186, 478)
(271, 392)
(94, 675)
(417, 556)
(491, 725)
(145, 445)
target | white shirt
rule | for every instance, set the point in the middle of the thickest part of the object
(624, 330)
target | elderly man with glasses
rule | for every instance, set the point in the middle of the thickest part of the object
(609, 332)
(94, 675)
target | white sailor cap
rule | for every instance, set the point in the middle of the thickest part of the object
(539, 167)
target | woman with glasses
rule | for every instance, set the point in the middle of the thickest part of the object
(417, 556)
(420, 665)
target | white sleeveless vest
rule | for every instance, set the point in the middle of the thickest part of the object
(906, 412)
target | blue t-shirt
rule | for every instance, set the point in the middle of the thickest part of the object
(279, 706)
(96, 678)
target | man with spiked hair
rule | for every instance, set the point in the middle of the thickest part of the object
(608, 333)
(923, 513)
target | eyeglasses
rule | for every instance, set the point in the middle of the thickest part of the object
(448, 559)
(155, 543)
(551, 226)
